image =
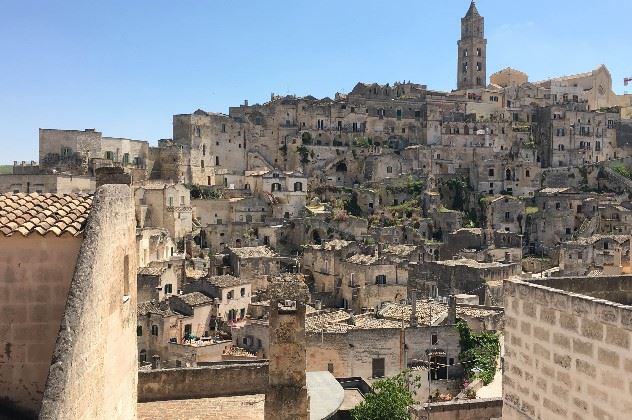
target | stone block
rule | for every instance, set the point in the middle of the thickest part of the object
(541, 352)
(568, 322)
(548, 315)
(562, 341)
(529, 309)
(607, 313)
(560, 301)
(560, 392)
(553, 407)
(525, 327)
(541, 334)
(617, 337)
(564, 378)
(609, 358)
(583, 347)
(585, 367)
(562, 360)
(592, 329)
(542, 384)
(611, 379)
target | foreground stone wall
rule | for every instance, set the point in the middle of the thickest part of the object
(566, 355)
(93, 374)
(35, 275)
(222, 380)
(478, 409)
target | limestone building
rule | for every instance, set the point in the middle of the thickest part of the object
(471, 70)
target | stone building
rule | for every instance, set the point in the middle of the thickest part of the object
(472, 51)
(46, 183)
(255, 264)
(595, 255)
(82, 152)
(231, 295)
(505, 213)
(443, 278)
(157, 283)
(74, 256)
(567, 348)
(166, 206)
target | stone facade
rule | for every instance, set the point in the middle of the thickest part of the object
(565, 350)
(92, 374)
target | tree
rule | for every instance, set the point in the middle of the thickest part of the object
(389, 400)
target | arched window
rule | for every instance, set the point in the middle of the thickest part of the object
(298, 186)
(143, 356)
(276, 187)
(527, 173)
(508, 174)
(154, 330)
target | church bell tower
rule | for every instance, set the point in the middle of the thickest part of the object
(471, 71)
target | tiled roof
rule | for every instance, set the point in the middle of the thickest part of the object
(195, 299)
(226, 281)
(159, 308)
(43, 213)
(151, 271)
(254, 252)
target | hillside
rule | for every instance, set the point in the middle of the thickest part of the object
(6, 169)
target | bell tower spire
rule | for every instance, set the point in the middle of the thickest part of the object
(472, 50)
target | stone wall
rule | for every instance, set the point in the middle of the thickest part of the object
(613, 288)
(478, 409)
(35, 275)
(566, 354)
(222, 380)
(93, 374)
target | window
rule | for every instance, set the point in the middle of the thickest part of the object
(399, 114)
(558, 206)
(202, 164)
(139, 330)
(243, 291)
(377, 367)
(490, 172)
(527, 173)
(389, 169)
(298, 186)
(66, 151)
(203, 150)
(216, 160)
(154, 330)
(142, 357)
(230, 295)
(568, 231)
(478, 52)
(208, 180)
(434, 339)
(197, 131)
(168, 288)
(109, 155)
(380, 279)
(478, 66)
(417, 114)
(605, 245)
(242, 313)
(507, 216)
(223, 128)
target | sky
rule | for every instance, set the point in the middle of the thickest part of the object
(125, 67)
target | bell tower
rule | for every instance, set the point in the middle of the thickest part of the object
(472, 66)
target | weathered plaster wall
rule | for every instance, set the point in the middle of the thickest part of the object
(35, 274)
(93, 374)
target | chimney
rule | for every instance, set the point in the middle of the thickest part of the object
(413, 314)
(155, 361)
(451, 310)
(245, 102)
(211, 265)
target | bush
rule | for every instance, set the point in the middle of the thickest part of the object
(621, 169)
(479, 352)
(390, 400)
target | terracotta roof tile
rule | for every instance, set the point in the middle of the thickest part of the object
(43, 213)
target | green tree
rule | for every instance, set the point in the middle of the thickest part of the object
(389, 400)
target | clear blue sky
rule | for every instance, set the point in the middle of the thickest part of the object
(125, 67)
